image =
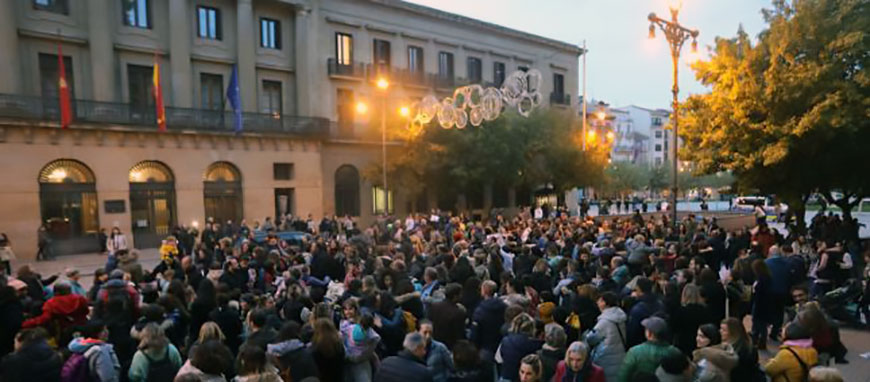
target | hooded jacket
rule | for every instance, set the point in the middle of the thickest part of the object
(102, 361)
(610, 336)
(36, 362)
(67, 310)
(295, 355)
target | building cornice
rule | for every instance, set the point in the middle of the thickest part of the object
(53, 37)
(452, 17)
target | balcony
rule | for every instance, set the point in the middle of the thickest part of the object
(144, 119)
(413, 78)
(353, 70)
(445, 82)
(560, 99)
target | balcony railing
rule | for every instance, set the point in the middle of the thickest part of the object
(444, 82)
(355, 70)
(560, 98)
(144, 117)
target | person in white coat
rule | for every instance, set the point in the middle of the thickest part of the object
(116, 242)
(608, 336)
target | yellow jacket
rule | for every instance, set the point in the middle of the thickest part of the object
(786, 368)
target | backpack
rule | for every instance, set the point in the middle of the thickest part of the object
(162, 370)
(410, 321)
(76, 369)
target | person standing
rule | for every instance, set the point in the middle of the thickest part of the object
(409, 365)
(647, 356)
(609, 336)
(438, 359)
(577, 366)
(156, 359)
(116, 242)
(99, 356)
(33, 360)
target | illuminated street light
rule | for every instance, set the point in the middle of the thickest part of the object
(404, 111)
(361, 107)
(382, 83)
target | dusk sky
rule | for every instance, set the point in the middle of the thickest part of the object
(623, 67)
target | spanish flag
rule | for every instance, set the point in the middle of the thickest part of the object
(158, 97)
(63, 92)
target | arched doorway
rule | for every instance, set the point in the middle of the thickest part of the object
(152, 203)
(68, 206)
(222, 192)
(347, 191)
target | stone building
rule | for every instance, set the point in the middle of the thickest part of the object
(303, 66)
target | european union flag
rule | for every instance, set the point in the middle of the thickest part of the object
(235, 98)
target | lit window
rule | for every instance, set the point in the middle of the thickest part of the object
(344, 48)
(136, 13)
(209, 23)
(380, 199)
(270, 33)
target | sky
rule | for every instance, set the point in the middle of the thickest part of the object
(623, 67)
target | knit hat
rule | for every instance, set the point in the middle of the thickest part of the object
(116, 274)
(545, 311)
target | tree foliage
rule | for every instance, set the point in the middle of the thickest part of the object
(544, 148)
(790, 113)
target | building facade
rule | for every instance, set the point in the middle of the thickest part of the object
(303, 66)
(646, 139)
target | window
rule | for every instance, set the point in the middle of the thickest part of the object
(284, 199)
(475, 70)
(382, 56)
(271, 101)
(345, 111)
(656, 121)
(55, 6)
(380, 200)
(445, 65)
(211, 91)
(658, 147)
(559, 85)
(666, 145)
(48, 75)
(658, 133)
(498, 73)
(282, 171)
(344, 48)
(136, 13)
(141, 84)
(415, 59)
(270, 33)
(209, 23)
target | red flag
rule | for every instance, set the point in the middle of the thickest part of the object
(158, 97)
(63, 92)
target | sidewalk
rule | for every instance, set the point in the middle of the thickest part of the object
(85, 263)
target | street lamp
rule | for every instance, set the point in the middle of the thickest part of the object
(676, 35)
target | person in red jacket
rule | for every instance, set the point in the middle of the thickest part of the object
(577, 366)
(61, 312)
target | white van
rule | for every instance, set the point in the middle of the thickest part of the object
(748, 203)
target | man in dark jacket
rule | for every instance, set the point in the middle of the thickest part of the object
(488, 319)
(33, 359)
(408, 365)
(448, 317)
(647, 304)
(261, 334)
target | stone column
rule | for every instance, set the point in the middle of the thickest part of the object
(179, 53)
(10, 61)
(103, 78)
(246, 54)
(303, 59)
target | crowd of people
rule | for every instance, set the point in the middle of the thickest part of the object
(537, 297)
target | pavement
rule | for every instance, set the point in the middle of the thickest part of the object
(85, 263)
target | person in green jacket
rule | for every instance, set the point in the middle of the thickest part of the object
(647, 356)
(155, 355)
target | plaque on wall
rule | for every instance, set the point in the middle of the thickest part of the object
(114, 206)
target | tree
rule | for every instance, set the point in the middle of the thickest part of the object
(623, 178)
(789, 115)
(544, 148)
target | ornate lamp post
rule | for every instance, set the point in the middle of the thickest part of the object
(676, 35)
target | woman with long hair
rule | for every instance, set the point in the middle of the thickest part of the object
(530, 369)
(762, 303)
(720, 357)
(734, 334)
(691, 314)
(328, 350)
(253, 367)
(202, 305)
(157, 359)
(519, 342)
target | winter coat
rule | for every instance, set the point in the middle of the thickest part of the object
(721, 358)
(103, 364)
(404, 367)
(685, 322)
(129, 263)
(293, 354)
(609, 334)
(448, 322)
(589, 373)
(550, 359)
(266, 376)
(187, 368)
(487, 320)
(644, 308)
(139, 368)
(784, 367)
(512, 350)
(763, 300)
(645, 357)
(439, 361)
(36, 362)
(65, 311)
(11, 317)
(116, 243)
